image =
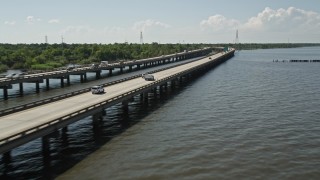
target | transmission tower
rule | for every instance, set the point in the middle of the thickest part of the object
(237, 37)
(46, 39)
(141, 38)
(236, 42)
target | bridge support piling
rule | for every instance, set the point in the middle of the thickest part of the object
(96, 123)
(103, 112)
(85, 77)
(21, 88)
(62, 81)
(47, 84)
(46, 150)
(146, 97)
(180, 80)
(188, 76)
(155, 89)
(125, 106)
(64, 136)
(64, 129)
(37, 87)
(5, 92)
(131, 99)
(98, 74)
(6, 157)
(68, 80)
(97, 117)
(81, 78)
(173, 84)
(161, 90)
(166, 86)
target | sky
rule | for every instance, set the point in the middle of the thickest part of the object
(162, 21)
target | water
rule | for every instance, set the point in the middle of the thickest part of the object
(248, 118)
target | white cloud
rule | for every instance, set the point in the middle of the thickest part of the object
(291, 19)
(11, 23)
(143, 25)
(114, 30)
(54, 21)
(78, 34)
(219, 22)
(270, 25)
(32, 19)
(77, 30)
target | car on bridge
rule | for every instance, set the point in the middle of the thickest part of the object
(70, 68)
(148, 77)
(103, 64)
(10, 76)
(94, 65)
(97, 89)
(19, 75)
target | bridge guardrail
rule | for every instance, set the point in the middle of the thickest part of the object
(39, 127)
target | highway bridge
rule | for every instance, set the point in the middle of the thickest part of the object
(37, 78)
(20, 127)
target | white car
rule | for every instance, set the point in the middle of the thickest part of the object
(97, 89)
(10, 75)
(147, 77)
(19, 75)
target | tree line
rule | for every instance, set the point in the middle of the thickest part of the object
(251, 46)
(51, 56)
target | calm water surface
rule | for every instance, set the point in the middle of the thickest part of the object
(249, 118)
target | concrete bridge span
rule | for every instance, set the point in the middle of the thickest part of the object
(23, 126)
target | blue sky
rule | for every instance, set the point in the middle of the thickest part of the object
(163, 21)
